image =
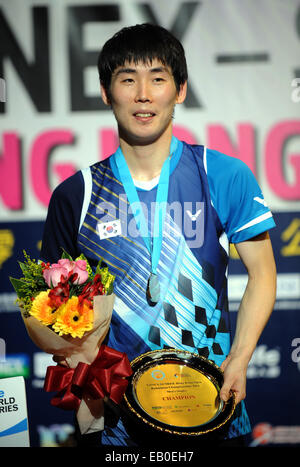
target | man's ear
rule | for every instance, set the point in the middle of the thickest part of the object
(104, 95)
(181, 95)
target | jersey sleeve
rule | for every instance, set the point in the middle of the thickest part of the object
(63, 219)
(237, 197)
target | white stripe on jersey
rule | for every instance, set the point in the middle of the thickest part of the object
(88, 183)
(255, 221)
(205, 159)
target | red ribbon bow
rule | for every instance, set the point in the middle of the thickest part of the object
(104, 377)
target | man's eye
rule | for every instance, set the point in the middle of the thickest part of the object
(127, 80)
(158, 79)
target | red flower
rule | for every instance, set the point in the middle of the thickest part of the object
(59, 294)
(91, 289)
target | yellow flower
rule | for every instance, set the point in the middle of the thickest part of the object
(42, 310)
(73, 318)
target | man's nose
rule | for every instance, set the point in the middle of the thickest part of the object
(143, 93)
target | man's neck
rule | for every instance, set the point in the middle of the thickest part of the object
(145, 161)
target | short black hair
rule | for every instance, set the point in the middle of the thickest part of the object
(142, 43)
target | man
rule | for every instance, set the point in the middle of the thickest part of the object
(171, 283)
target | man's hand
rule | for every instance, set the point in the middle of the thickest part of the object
(60, 360)
(254, 311)
(235, 370)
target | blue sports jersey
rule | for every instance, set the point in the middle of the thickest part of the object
(213, 200)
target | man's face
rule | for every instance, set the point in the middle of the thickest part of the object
(143, 97)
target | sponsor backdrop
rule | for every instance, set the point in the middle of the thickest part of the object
(243, 99)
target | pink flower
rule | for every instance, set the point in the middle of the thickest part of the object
(66, 263)
(80, 269)
(53, 274)
(64, 269)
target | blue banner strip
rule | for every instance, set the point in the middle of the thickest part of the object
(21, 426)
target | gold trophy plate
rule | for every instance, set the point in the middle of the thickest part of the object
(177, 392)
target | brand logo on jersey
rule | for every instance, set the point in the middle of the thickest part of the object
(109, 229)
(260, 200)
(193, 217)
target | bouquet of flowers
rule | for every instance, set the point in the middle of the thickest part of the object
(61, 295)
(67, 311)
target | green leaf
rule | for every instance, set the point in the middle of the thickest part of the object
(18, 285)
(107, 280)
(81, 256)
(65, 255)
(23, 266)
(110, 287)
(98, 268)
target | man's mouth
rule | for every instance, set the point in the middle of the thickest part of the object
(144, 114)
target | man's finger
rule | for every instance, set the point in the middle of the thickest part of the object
(59, 360)
(225, 392)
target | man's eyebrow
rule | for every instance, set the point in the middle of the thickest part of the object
(159, 69)
(124, 70)
(128, 70)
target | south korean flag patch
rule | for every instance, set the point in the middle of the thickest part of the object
(109, 229)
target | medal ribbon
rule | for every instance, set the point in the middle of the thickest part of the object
(136, 207)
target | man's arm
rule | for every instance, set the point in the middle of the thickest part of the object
(254, 311)
(63, 217)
